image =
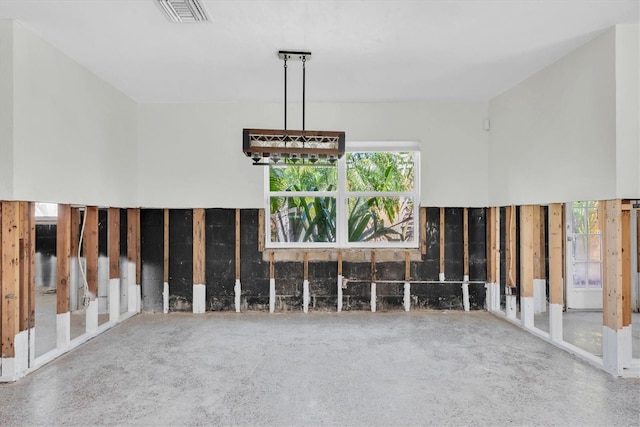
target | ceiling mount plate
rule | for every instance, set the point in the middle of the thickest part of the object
(294, 54)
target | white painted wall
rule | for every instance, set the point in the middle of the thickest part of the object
(553, 136)
(6, 109)
(627, 111)
(74, 136)
(191, 155)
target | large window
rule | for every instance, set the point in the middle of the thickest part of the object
(369, 198)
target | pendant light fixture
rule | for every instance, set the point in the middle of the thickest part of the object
(302, 147)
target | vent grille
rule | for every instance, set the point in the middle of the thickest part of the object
(183, 11)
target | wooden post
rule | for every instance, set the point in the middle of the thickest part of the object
(539, 255)
(556, 256)
(74, 238)
(199, 247)
(199, 287)
(615, 349)
(510, 249)
(27, 264)
(489, 212)
(133, 241)
(113, 239)
(237, 244)
(63, 254)
(407, 266)
(465, 242)
(91, 250)
(165, 260)
(272, 265)
(442, 243)
(556, 266)
(495, 246)
(138, 248)
(339, 263)
(526, 264)
(10, 276)
(261, 230)
(626, 266)
(423, 230)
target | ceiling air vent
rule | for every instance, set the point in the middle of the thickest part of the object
(183, 11)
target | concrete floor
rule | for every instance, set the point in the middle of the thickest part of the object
(419, 368)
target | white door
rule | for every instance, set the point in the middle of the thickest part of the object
(584, 256)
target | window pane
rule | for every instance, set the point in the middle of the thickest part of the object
(580, 247)
(303, 178)
(380, 219)
(579, 275)
(594, 248)
(303, 219)
(380, 171)
(595, 277)
(579, 220)
(592, 220)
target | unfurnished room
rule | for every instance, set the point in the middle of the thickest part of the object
(356, 212)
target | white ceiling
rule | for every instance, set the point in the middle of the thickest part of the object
(361, 50)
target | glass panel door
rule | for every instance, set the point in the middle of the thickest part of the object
(584, 256)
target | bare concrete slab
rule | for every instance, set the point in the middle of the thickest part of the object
(418, 368)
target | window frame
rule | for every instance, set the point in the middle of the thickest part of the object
(342, 196)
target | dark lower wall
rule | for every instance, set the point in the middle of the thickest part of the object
(220, 238)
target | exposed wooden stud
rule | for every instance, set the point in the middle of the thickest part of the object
(423, 230)
(306, 266)
(602, 223)
(24, 229)
(138, 247)
(165, 259)
(237, 244)
(373, 266)
(272, 265)
(407, 266)
(465, 240)
(199, 246)
(339, 263)
(526, 250)
(10, 275)
(510, 243)
(539, 255)
(626, 266)
(442, 243)
(556, 256)
(1, 286)
(261, 230)
(63, 254)
(612, 279)
(489, 213)
(495, 245)
(133, 238)
(113, 242)
(32, 265)
(90, 242)
(74, 232)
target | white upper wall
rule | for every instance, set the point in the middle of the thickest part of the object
(553, 136)
(74, 136)
(627, 111)
(6, 110)
(191, 155)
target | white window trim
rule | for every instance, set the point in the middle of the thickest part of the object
(341, 199)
